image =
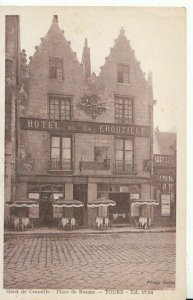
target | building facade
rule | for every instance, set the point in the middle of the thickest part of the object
(82, 136)
(12, 83)
(164, 179)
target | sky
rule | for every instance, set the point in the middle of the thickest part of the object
(156, 34)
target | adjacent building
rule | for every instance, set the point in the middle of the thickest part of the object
(12, 83)
(82, 136)
(164, 179)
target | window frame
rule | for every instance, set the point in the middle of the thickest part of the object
(60, 98)
(124, 161)
(122, 119)
(163, 194)
(56, 59)
(123, 65)
(61, 156)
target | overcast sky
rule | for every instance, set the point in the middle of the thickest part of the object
(157, 36)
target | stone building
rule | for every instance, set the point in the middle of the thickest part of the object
(81, 136)
(12, 82)
(164, 179)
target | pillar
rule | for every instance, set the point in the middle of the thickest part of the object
(92, 195)
(69, 191)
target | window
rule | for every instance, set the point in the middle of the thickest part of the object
(123, 110)
(61, 153)
(36, 189)
(59, 108)
(123, 154)
(165, 204)
(167, 183)
(122, 73)
(56, 68)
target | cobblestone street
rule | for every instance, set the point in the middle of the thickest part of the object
(103, 261)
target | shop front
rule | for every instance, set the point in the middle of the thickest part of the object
(122, 195)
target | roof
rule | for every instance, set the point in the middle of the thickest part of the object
(164, 142)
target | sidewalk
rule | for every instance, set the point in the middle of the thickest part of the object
(87, 231)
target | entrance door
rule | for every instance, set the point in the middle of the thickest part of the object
(46, 209)
(120, 213)
(80, 193)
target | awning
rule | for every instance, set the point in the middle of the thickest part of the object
(145, 202)
(23, 203)
(68, 203)
(101, 202)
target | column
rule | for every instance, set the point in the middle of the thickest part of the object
(92, 195)
(69, 191)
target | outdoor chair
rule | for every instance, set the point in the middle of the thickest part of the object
(71, 224)
(27, 223)
(16, 223)
(106, 223)
(65, 223)
(99, 222)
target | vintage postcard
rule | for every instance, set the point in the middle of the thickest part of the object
(93, 105)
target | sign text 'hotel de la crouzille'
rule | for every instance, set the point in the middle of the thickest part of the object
(83, 127)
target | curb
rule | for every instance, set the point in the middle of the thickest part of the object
(75, 233)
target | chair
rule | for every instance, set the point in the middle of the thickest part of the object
(72, 223)
(16, 223)
(65, 222)
(99, 222)
(106, 223)
(149, 223)
(27, 223)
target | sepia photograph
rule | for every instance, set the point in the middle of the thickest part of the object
(92, 103)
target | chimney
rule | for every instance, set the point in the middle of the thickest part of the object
(86, 59)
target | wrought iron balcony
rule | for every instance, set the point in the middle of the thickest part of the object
(60, 165)
(164, 160)
(126, 169)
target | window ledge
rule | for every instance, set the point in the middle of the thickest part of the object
(61, 171)
(124, 83)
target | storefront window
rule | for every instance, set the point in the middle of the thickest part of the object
(165, 204)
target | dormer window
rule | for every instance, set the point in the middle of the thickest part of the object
(56, 68)
(122, 73)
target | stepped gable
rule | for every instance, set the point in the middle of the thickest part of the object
(122, 44)
(54, 37)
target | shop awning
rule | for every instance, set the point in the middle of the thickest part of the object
(23, 203)
(68, 203)
(145, 202)
(101, 202)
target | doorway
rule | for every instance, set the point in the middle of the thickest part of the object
(80, 193)
(120, 213)
(46, 209)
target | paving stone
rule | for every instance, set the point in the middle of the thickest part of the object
(124, 261)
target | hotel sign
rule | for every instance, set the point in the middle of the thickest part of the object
(83, 127)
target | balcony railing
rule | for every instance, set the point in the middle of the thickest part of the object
(164, 160)
(60, 165)
(126, 169)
